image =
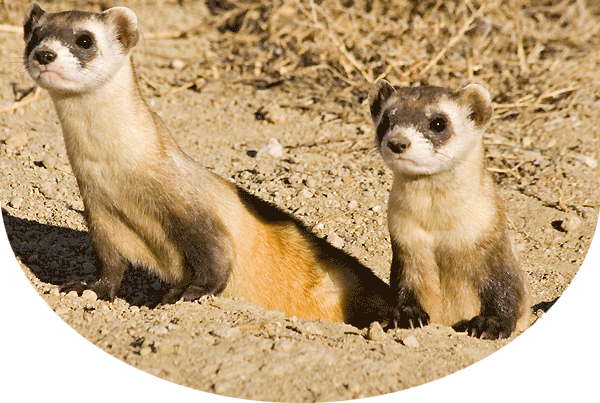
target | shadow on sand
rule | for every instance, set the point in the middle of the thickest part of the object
(58, 255)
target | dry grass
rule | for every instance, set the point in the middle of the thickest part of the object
(331, 51)
(338, 48)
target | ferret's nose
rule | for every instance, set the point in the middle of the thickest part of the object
(45, 56)
(398, 146)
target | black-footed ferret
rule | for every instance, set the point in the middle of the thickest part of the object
(453, 261)
(147, 203)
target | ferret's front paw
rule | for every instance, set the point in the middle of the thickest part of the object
(487, 327)
(408, 317)
(102, 289)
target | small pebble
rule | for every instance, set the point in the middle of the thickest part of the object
(273, 148)
(49, 161)
(17, 140)
(335, 240)
(54, 291)
(178, 64)
(305, 193)
(311, 182)
(145, 350)
(353, 204)
(589, 161)
(47, 189)
(89, 295)
(410, 341)
(375, 332)
(72, 294)
(572, 223)
(16, 202)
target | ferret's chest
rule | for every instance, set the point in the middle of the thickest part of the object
(438, 215)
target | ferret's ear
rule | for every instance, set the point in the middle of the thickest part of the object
(478, 100)
(32, 16)
(379, 94)
(125, 23)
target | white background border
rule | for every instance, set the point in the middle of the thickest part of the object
(43, 358)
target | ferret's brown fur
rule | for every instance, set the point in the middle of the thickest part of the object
(148, 203)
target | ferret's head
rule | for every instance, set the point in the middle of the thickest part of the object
(427, 130)
(76, 51)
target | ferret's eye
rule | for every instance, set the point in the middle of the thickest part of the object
(438, 125)
(84, 41)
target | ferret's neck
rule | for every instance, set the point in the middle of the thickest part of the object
(112, 117)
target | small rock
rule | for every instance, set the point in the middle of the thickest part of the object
(178, 64)
(589, 161)
(571, 223)
(49, 161)
(54, 291)
(305, 193)
(353, 204)
(375, 332)
(410, 341)
(16, 202)
(335, 240)
(72, 294)
(145, 350)
(47, 189)
(311, 182)
(347, 179)
(273, 148)
(89, 295)
(376, 209)
(17, 140)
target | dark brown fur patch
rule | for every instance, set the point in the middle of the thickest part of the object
(408, 109)
(126, 29)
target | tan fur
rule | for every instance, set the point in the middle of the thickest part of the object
(131, 174)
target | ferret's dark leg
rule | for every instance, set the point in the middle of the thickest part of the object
(208, 252)
(408, 311)
(110, 268)
(502, 295)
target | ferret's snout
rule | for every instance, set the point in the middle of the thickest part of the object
(398, 146)
(44, 57)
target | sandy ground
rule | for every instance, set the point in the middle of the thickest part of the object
(328, 175)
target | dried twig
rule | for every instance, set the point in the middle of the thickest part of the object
(452, 41)
(13, 29)
(24, 102)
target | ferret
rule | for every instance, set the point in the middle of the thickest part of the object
(149, 204)
(452, 256)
